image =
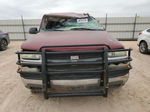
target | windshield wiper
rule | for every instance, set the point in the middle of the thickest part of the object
(53, 30)
(83, 29)
(57, 30)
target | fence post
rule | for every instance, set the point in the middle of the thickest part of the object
(23, 27)
(134, 26)
(106, 22)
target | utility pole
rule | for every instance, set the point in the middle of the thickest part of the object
(134, 26)
(106, 22)
(23, 27)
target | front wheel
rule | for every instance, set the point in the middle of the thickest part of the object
(143, 48)
(35, 90)
(116, 84)
(3, 45)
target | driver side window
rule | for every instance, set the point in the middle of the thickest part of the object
(53, 24)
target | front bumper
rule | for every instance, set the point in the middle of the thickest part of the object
(113, 82)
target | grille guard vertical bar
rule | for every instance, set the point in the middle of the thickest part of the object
(44, 73)
(105, 72)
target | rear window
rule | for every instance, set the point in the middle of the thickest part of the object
(148, 30)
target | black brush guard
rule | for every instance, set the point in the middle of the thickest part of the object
(103, 91)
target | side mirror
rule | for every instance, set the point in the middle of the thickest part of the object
(33, 30)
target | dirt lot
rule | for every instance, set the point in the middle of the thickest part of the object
(133, 97)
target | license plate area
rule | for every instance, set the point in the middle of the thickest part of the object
(84, 85)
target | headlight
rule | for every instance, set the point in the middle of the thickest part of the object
(117, 54)
(27, 69)
(30, 56)
(119, 66)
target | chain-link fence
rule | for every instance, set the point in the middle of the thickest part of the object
(122, 28)
(125, 28)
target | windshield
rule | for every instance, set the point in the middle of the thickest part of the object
(62, 24)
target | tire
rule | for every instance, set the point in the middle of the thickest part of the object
(35, 90)
(45, 95)
(143, 48)
(106, 92)
(117, 85)
(3, 45)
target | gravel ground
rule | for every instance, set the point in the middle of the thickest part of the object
(133, 97)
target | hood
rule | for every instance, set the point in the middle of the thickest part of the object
(54, 38)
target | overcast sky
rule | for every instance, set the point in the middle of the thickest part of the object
(12, 9)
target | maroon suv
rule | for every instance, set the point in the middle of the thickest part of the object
(71, 55)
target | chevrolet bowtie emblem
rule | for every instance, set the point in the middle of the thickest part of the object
(74, 58)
